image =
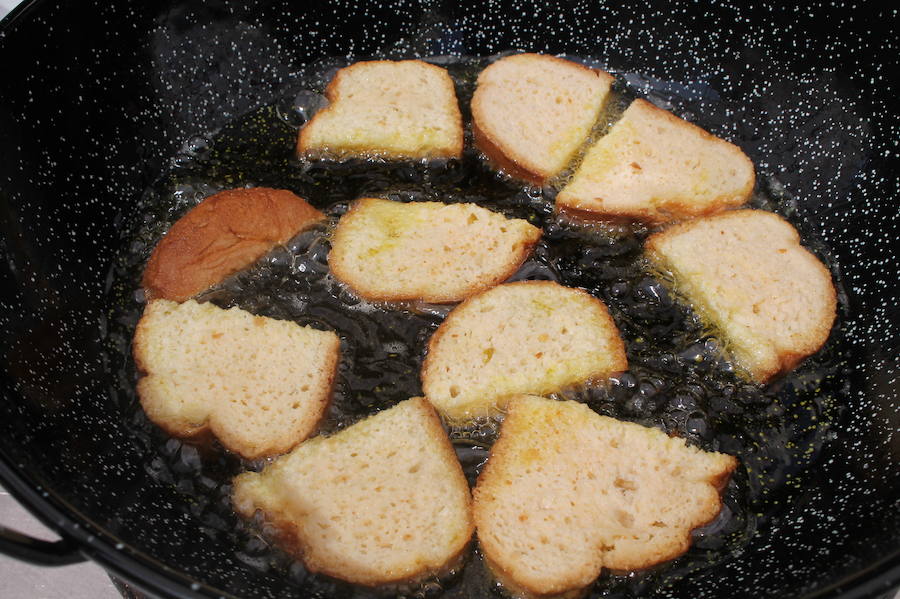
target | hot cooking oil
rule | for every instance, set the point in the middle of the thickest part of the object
(678, 380)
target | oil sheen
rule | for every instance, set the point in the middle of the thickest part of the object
(678, 379)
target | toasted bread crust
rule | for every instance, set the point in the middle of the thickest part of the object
(512, 587)
(650, 217)
(501, 161)
(292, 534)
(785, 358)
(451, 149)
(551, 427)
(668, 207)
(357, 273)
(224, 233)
(182, 429)
(514, 161)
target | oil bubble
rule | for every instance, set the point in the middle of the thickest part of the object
(297, 111)
(182, 161)
(196, 145)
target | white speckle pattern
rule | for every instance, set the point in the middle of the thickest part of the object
(98, 98)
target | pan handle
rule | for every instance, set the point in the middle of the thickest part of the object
(37, 551)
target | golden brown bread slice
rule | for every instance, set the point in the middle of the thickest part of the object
(531, 113)
(525, 337)
(655, 167)
(441, 253)
(404, 109)
(567, 492)
(746, 273)
(260, 385)
(381, 502)
(224, 233)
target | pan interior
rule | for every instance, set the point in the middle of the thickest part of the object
(204, 98)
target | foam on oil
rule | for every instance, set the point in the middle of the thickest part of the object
(678, 379)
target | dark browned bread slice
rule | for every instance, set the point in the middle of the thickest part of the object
(224, 233)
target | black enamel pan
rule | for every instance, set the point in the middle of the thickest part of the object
(116, 117)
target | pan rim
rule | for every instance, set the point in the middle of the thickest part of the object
(160, 579)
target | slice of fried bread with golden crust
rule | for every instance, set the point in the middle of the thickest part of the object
(747, 275)
(429, 251)
(382, 108)
(655, 168)
(260, 385)
(224, 233)
(531, 112)
(526, 337)
(381, 502)
(567, 492)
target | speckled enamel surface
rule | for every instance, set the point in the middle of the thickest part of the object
(98, 100)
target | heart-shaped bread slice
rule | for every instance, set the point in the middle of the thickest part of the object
(567, 492)
(260, 385)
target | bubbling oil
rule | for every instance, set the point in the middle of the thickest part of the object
(678, 379)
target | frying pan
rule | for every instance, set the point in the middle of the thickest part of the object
(98, 97)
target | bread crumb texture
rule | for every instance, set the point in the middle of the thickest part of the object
(224, 233)
(384, 501)
(405, 109)
(531, 113)
(392, 251)
(567, 492)
(526, 337)
(746, 274)
(260, 385)
(655, 167)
